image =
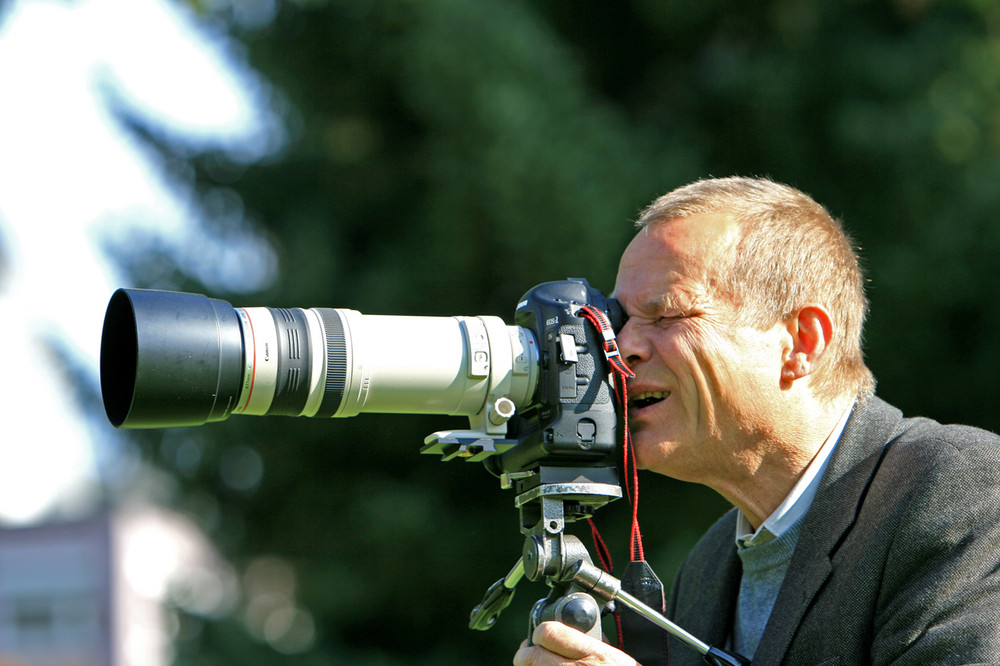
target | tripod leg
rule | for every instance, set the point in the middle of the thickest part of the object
(497, 598)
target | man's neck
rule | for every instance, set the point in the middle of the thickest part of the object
(765, 476)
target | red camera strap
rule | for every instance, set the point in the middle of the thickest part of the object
(620, 376)
(645, 641)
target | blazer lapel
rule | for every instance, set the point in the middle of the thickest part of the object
(720, 592)
(711, 588)
(840, 495)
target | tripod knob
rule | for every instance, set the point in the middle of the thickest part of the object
(576, 609)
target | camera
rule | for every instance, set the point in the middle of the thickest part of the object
(540, 396)
(538, 391)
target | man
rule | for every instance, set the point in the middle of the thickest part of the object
(858, 536)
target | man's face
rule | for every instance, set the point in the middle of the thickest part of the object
(705, 391)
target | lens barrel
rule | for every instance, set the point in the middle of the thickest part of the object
(175, 359)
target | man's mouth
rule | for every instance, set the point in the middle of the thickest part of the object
(647, 398)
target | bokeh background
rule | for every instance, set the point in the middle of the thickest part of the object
(440, 157)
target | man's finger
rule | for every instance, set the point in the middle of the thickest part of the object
(566, 641)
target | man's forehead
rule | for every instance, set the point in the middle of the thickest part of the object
(673, 263)
(704, 234)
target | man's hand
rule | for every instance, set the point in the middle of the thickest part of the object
(555, 644)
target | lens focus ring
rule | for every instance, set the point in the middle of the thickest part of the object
(336, 362)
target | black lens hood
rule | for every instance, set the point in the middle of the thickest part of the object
(169, 359)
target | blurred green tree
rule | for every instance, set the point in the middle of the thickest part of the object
(449, 155)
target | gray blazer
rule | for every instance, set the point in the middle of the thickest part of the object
(898, 561)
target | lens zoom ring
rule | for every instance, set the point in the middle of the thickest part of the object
(290, 392)
(336, 362)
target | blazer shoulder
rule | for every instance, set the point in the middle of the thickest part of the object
(920, 444)
(925, 444)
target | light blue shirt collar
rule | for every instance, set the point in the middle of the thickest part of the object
(800, 499)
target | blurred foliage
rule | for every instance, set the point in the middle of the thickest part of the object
(448, 155)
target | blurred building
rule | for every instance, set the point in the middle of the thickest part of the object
(56, 589)
(100, 592)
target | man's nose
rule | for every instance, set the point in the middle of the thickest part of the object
(631, 344)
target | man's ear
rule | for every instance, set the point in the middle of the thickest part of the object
(810, 330)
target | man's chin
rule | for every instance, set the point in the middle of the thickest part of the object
(656, 455)
(647, 454)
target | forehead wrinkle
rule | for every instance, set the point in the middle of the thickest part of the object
(675, 299)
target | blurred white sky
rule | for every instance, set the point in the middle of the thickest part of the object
(71, 178)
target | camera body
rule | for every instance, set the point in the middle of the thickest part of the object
(573, 415)
(571, 418)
